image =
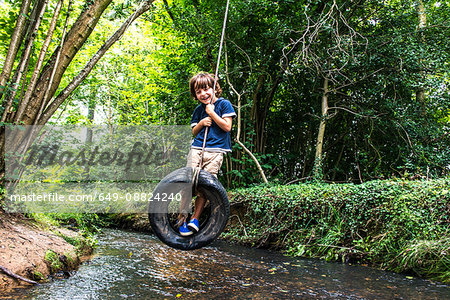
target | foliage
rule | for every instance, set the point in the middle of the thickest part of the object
(374, 52)
(53, 260)
(56, 262)
(379, 59)
(396, 225)
(428, 258)
(86, 222)
(84, 242)
(86, 225)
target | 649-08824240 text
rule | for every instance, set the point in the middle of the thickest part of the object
(58, 197)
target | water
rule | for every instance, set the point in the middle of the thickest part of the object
(135, 265)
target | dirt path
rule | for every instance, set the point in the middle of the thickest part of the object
(23, 249)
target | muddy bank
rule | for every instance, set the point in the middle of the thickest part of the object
(33, 252)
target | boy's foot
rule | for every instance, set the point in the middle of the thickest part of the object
(184, 230)
(193, 225)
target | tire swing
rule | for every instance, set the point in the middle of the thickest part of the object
(214, 217)
(184, 181)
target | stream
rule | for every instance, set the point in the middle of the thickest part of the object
(136, 265)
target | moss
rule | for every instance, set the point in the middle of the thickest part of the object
(83, 242)
(38, 276)
(53, 260)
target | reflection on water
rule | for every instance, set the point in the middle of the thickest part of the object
(136, 265)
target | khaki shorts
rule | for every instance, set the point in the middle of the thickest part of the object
(212, 161)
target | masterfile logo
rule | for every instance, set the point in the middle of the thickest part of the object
(91, 168)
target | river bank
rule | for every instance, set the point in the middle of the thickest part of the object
(35, 251)
(394, 225)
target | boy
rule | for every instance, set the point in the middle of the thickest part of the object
(218, 118)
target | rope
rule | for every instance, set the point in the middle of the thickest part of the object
(221, 45)
(195, 177)
(216, 74)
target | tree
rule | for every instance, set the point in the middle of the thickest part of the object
(327, 46)
(373, 124)
(37, 105)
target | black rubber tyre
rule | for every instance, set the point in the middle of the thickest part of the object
(217, 212)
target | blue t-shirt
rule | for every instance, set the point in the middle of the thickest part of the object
(217, 139)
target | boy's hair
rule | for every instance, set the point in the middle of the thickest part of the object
(201, 81)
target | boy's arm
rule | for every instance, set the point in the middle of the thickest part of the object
(224, 123)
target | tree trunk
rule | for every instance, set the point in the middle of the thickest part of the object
(90, 117)
(89, 132)
(39, 63)
(323, 122)
(420, 92)
(22, 69)
(31, 20)
(238, 135)
(58, 57)
(76, 37)
(53, 106)
(255, 112)
(258, 165)
(260, 108)
(52, 73)
(14, 44)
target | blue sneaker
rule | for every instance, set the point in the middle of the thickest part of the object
(184, 230)
(193, 225)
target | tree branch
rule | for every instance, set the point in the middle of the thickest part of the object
(14, 44)
(261, 171)
(39, 63)
(62, 96)
(13, 275)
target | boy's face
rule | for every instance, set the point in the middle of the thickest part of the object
(204, 95)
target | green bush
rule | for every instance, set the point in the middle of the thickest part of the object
(396, 225)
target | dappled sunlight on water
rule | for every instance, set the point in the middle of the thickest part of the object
(129, 264)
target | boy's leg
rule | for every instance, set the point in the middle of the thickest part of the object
(211, 162)
(184, 208)
(199, 205)
(193, 161)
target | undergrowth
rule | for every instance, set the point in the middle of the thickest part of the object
(401, 226)
(86, 224)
